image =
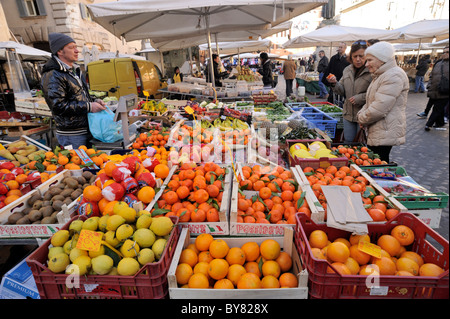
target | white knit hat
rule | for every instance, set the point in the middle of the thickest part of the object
(383, 51)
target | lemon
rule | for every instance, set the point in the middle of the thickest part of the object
(144, 237)
(322, 153)
(102, 264)
(302, 154)
(114, 222)
(102, 222)
(158, 247)
(128, 267)
(76, 226)
(129, 248)
(319, 143)
(91, 223)
(142, 212)
(71, 243)
(123, 232)
(58, 263)
(52, 251)
(161, 226)
(59, 238)
(144, 221)
(110, 238)
(146, 256)
(100, 252)
(128, 213)
(297, 146)
(118, 206)
(83, 263)
(113, 272)
(76, 252)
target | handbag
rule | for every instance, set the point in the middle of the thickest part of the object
(103, 127)
(361, 137)
(443, 86)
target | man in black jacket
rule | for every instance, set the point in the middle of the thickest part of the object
(266, 70)
(321, 68)
(338, 63)
(66, 92)
(217, 74)
(422, 68)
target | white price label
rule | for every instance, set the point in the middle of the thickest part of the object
(90, 287)
(379, 291)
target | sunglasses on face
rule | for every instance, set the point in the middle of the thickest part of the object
(360, 43)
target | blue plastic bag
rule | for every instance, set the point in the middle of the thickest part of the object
(103, 127)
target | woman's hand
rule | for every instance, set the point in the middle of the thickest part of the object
(331, 79)
(352, 100)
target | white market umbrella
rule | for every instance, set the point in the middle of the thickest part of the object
(228, 48)
(26, 52)
(439, 44)
(330, 34)
(160, 20)
(254, 55)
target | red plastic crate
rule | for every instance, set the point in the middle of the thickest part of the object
(323, 285)
(149, 283)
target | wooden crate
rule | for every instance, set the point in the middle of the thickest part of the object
(214, 228)
(256, 229)
(287, 245)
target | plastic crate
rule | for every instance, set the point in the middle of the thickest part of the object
(293, 105)
(336, 115)
(323, 285)
(150, 282)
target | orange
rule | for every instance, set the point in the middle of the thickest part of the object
(171, 197)
(11, 198)
(161, 171)
(287, 195)
(253, 267)
(258, 185)
(403, 234)
(223, 284)
(376, 214)
(288, 280)
(354, 239)
(265, 193)
(271, 267)
(341, 268)
(218, 248)
(403, 273)
(184, 215)
(413, 256)
(183, 273)
(16, 192)
(318, 239)
(391, 213)
(235, 256)
(352, 265)
(108, 209)
(430, 270)
(205, 256)
(338, 252)
(212, 215)
(369, 270)
(344, 241)
(249, 281)
(198, 281)
(218, 268)
(92, 193)
(407, 264)
(183, 192)
(390, 244)
(235, 272)
(243, 204)
(201, 267)
(386, 265)
(317, 253)
(189, 257)
(285, 261)
(102, 204)
(201, 196)
(12, 184)
(198, 216)
(270, 282)
(146, 194)
(213, 191)
(21, 178)
(270, 249)
(109, 167)
(361, 257)
(192, 246)
(251, 251)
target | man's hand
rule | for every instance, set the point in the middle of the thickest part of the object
(97, 107)
(332, 79)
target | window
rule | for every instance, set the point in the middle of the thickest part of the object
(31, 8)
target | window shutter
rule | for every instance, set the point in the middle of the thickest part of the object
(21, 7)
(41, 7)
(83, 11)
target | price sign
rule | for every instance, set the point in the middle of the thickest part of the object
(89, 240)
(189, 110)
(369, 248)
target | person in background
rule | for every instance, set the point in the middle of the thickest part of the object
(265, 70)
(422, 68)
(177, 75)
(216, 69)
(289, 72)
(338, 63)
(353, 85)
(437, 94)
(321, 68)
(67, 93)
(383, 116)
(372, 42)
(303, 66)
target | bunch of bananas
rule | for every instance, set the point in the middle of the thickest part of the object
(230, 124)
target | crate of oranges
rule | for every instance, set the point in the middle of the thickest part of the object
(206, 267)
(265, 200)
(400, 259)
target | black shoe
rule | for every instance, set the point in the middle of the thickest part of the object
(427, 128)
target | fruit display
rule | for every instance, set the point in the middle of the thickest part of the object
(313, 150)
(346, 257)
(157, 137)
(359, 155)
(194, 193)
(211, 263)
(152, 106)
(21, 152)
(128, 242)
(246, 74)
(269, 195)
(376, 205)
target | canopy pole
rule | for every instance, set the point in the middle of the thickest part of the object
(190, 60)
(208, 36)
(418, 52)
(331, 49)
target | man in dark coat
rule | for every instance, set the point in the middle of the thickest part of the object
(422, 68)
(67, 94)
(338, 63)
(266, 70)
(321, 68)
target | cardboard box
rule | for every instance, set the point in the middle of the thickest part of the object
(18, 283)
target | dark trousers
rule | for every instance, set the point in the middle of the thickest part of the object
(437, 115)
(289, 87)
(429, 106)
(383, 151)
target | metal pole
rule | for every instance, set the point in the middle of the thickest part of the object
(190, 60)
(208, 36)
(418, 52)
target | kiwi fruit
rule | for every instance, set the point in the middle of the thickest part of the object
(66, 193)
(34, 215)
(38, 204)
(57, 205)
(54, 190)
(46, 203)
(92, 179)
(26, 210)
(23, 221)
(13, 218)
(75, 194)
(87, 175)
(48, 220)
(81, 180)
(47, 196)
(46, 211)
(58, 198)
(68, 200)
(71, 183)
(36, 196)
